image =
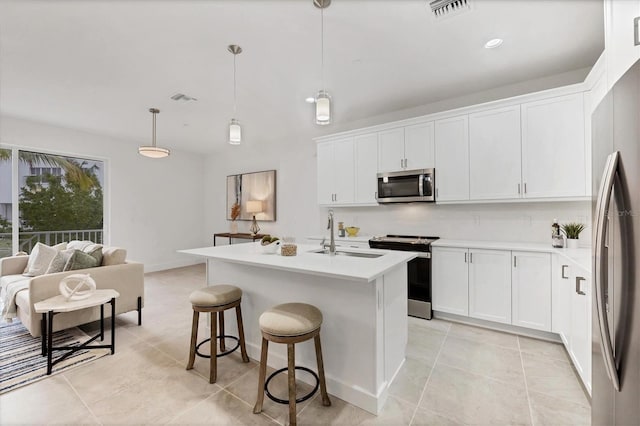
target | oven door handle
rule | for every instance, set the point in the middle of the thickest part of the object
(424, 255)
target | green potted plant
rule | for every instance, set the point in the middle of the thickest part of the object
(572, 230)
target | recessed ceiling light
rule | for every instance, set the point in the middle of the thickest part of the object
(493, 43)
(310, 100)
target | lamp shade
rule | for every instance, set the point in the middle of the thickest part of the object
(254, 206)
(153, 151)
(323, 108)
(235, 132)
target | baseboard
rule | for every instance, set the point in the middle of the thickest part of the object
(172, 265)
(354, 395)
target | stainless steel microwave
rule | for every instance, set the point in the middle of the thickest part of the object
(407, 186)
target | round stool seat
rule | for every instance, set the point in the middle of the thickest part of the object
(291, 319)
(216, 295)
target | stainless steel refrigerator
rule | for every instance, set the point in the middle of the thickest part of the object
(616, 241)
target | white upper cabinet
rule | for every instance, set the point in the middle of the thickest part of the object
(553, 148)
(336, 177)
(531, 290)
(366, 168)
(419, 146)
(452, 159)
(622, 46)
(406, 148)
(490, 285)
(494, 154)
(391, 150)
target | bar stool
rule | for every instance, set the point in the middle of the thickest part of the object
(216, 299)
(290, 323)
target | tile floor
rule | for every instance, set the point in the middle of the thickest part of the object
(454, 374)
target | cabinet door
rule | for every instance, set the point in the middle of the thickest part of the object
(531, 290)
(553, 148)
(343, 171)
(561, 298)
(580, 340)
(391, 150)
(622, 52)
(325, 172)
(366, 164)
(450, 280)
(452, 159)
(490, 285)
(418, 146)
(494, 154)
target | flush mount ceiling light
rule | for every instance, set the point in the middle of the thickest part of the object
(493, 43)
(323, 99)
(235, 131)
(153, 151)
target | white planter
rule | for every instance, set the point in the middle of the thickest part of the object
(572, 243)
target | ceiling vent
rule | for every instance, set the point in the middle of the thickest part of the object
(182, 97)
(446, 8)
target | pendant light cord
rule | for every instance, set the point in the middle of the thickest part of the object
(153, 131)
(322, 47)
(234, 85)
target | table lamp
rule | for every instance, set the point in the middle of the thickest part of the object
(254, 207)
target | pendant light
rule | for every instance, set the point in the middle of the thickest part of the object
(153, 151)
(235, 131)
(323, 99)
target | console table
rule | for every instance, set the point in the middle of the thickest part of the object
(239, 235)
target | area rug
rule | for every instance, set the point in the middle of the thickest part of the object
(21, 360)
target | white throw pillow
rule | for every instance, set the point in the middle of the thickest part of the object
(40, 258)
(79, 245)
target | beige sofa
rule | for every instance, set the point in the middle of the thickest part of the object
(126, 278)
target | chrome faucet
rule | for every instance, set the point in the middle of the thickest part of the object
(332, 241)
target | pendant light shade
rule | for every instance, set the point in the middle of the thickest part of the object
(235, 131)
(323, 99)
(153, 151)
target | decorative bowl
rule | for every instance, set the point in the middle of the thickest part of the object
(271, 248)
(352, 231)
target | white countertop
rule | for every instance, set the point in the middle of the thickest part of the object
(343, 267)
(581, 256)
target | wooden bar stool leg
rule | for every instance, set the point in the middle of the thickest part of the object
(221, 321)
(291, 364)
(323, 385)
(243, 348)
(194, 339)
(261, 376)
(213, 362)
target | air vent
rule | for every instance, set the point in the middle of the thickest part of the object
(182, 97)
(446, 8)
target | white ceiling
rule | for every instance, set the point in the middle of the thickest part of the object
(100, 65)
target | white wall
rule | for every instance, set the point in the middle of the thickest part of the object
(155, 207)
(298, 214)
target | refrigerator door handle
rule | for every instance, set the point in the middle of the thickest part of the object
(600, 275)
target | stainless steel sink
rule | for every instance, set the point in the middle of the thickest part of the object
(349, 253)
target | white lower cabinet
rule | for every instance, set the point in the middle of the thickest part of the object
(490, 285)
(580, 330)
(531, 290)
(450, 280)
(560, 298)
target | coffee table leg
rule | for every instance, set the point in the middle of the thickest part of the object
(43, 332)
(113, 326)
(101, 323)
(49, 342)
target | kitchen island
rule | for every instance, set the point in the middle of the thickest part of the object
(363, 302)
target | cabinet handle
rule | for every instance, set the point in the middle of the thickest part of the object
(636, 31)
(515, 262)
(518, 188)
(563, 269)
(336, 197)
(436, 192)
(401, 163)
(375, 195)
(578, 287)
(465, 257)
(525, 187)
(470, 257)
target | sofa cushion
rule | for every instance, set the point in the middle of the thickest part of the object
(12, 286)
(80, 260)
(58, 262)
(40, 258)
(113, 256)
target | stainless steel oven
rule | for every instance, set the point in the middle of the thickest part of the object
(406, 186)
(418, 269)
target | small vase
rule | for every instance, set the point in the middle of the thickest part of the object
(572, 243)
(234, 227)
